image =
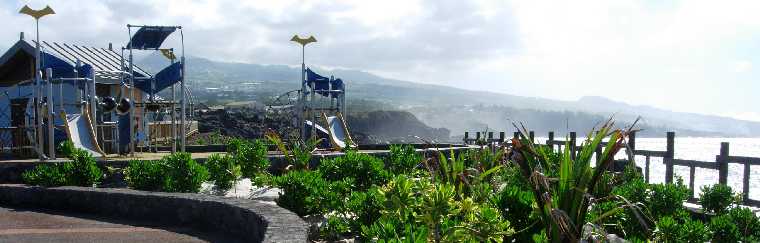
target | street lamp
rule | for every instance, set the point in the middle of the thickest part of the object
(303, 42)
(37, 14)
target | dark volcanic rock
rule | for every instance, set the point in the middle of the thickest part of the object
(392, 127)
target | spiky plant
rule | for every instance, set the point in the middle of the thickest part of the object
(563, 202)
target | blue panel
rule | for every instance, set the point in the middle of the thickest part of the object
(124, 132)
(150, 37)
(163, 79)
(337, 84)
(61, 68)
(320, 83)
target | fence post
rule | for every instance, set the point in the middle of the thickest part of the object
(632, 141)
(572, 144)
(501, 137)
(532, 135)
(550, 140)
(745, 183)
(669, 153)
(723, 163)
(466, 137)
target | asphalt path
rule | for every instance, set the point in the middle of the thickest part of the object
(30, 225)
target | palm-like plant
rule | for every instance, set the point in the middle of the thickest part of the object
(563, 202)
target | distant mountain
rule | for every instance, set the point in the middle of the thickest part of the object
(444, 106)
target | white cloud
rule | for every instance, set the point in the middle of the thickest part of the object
(671, 54)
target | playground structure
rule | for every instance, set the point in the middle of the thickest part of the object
(104, 103)
(315, 111)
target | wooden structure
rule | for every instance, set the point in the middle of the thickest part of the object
(720, 165)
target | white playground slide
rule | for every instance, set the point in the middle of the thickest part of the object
(338, 133)
(318, 128)
(80, 131)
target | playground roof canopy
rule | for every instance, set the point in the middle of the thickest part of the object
(150, 37)
(17, 64)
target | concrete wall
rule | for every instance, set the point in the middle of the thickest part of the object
(251, 220)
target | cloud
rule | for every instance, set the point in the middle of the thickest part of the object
(671, 54)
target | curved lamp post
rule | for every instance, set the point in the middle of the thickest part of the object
(37, 15)
(302, 97)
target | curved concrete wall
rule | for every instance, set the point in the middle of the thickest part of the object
(251, 220)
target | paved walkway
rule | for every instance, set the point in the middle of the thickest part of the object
(20, 225)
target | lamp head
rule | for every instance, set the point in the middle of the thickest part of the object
(303, 41)
(37, 14)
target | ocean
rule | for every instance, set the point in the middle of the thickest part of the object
(702, 149)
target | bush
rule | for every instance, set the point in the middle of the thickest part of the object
(145, 175)
(365, 206)
(335, 228)
(222, 171)
(365, 170)
(716, 198)
(250, 155)
(724, 229)
(85, 171)
(667, 199)
(48, 175)
(747, 223)
(82, 170)
(403, 159)
(183, 174)
(516, 206)
(683, 230)
(303, 192)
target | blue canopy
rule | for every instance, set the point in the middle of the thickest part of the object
(323, 83)
(163, 79)
(150, 37)
(62, 68)
(337, 84)
(318, 82)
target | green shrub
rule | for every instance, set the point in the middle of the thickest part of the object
(82, 170)
(364, 169)
(716, 198)
(250, 155)
(85, 171)
(516, 206)
(403, 159)
(746, 222)
(303, 192)
(48, 175)
(222, 171)
(65, 148)
(183, 173)
(724, 229)
(334, 229)
(365, 206)
(683, 230)
(667, 199)
(145, 175)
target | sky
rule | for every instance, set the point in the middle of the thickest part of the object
(693, 56)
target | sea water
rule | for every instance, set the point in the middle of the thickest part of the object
(701, 149)
(704, 149)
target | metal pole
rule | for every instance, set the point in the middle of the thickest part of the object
(93, 104)
(183, 130)
(131, 96)
(50, 114)
(174, 119)
(304, 107)
(38, 91)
